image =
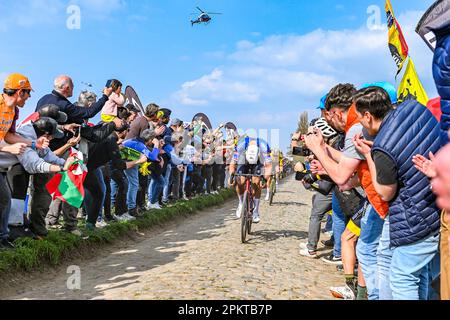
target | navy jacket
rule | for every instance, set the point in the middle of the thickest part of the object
(75, 114)
(409, 130)
(441, 73)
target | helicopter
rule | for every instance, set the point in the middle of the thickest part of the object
(204, 17)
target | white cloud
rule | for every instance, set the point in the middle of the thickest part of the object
(215, 87)
(304, 67)
(29, 13)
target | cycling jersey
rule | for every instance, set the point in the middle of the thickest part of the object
(241, 148)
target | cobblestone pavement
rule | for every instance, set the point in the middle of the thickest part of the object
(202, 258)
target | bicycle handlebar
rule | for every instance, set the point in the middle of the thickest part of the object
(246, 175)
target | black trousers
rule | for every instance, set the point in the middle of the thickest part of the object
(176, 177)
(93, 197)
(40, 203)
(207, 173)
(142, 191)
(120, 179)
(217, 176)
(107, 203)
(5, 200)
(197, 179)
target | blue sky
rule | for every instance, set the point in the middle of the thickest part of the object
(259, 65)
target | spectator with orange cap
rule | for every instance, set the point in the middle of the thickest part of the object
(16, 91)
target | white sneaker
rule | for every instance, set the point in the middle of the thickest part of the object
(256, 217)
(267, 196)
(309, 254)
(101, 224)
(155, 206)
(303, 245)
(343, 293)
(127, 217)
(328, 233)
(238, 211)
(76, 232)
(115, 217)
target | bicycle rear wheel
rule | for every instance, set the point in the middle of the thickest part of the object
(244, 219)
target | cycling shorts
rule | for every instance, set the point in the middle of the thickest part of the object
(256, 169)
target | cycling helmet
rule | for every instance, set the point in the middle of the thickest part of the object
(390, 89)
(325, 128)
(323, 102)
(252, 154)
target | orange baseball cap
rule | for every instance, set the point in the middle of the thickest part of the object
(17, 81)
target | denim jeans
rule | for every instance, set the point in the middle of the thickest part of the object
(410, 269)
(329, 224)
(99, 174)
(133, 186)
(366, 250)
(155, 188)
(5, 206)
(338, 227)
(384, 258)
(166, 189)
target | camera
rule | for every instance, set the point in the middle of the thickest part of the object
(323, 185)
(301, 151)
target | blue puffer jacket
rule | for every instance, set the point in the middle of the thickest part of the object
(441, 72)
(409, 130)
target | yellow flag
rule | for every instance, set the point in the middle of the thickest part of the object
(397, 43)
(411, 87)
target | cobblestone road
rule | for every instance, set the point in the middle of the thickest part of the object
(202, 258)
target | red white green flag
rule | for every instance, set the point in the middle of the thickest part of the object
(68, 186)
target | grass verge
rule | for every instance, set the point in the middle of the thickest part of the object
(32, 255)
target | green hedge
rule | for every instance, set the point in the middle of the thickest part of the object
(31, 255)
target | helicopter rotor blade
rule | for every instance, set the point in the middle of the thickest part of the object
(213, 13)
(200, 10)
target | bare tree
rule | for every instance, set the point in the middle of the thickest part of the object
(303, 123)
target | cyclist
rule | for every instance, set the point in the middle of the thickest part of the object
(251, 156)
(274, 155)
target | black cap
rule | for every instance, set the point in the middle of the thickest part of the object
(48, 126)
(52, 111)
(166, 112)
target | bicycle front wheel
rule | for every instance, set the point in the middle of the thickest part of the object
(244, 219)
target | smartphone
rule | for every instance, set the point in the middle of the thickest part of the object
(108, 83)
